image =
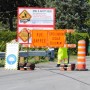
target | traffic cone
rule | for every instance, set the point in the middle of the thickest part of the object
(81, 60)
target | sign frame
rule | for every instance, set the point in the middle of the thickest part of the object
(40, 15)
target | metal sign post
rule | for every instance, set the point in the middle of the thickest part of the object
(69, 48)
(28, 48)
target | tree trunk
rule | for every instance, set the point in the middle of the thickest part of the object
(11, 23)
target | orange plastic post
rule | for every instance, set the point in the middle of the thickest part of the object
(81, 60)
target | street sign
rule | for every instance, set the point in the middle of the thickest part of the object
(36, 16)
(24, 16)
(11, 58)
(39, 38)
(24, 35)
(48, 38)
(33, 19)
(56, 38)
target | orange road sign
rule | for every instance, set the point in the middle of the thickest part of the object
(39, 38)
(48, 38)
(45, 38)
(56, 38)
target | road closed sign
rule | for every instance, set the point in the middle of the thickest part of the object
(48, 38)
(39, 38)
(56, 38)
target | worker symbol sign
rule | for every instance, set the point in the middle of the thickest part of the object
(24, 16)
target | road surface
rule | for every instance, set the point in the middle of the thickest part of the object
(45, 77)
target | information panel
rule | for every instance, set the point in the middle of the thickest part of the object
(11, 59)
(31, 18)
(36, 16)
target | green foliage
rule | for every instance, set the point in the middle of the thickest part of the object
(74, 38)
(36, 59)
(5, 37)
(74, 14)
(2, 62)
(71, 14)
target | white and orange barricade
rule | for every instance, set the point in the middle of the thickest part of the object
(81, 59)
(70, 31)
(70, 45)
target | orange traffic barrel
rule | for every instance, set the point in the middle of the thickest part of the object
(81, 59)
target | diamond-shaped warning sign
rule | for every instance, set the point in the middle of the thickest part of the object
(24, 15)
(24, 34)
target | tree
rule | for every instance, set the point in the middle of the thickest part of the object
(8, 10)
(71, 14)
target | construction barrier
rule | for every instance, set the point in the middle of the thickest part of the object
(81, 60)
(70, 45)
(70, 30)
(68, 67)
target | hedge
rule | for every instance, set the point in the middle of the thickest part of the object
(74, 38)
(5, 37)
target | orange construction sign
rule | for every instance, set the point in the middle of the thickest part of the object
(56, 38)
(42, 38)
(39, 38)
(48, 38)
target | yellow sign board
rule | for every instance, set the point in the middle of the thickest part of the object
(24, 35)
(24, 15)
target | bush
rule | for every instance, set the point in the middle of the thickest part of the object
(74, 38)
(5, 37)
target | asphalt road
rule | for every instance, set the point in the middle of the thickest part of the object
(45, 77)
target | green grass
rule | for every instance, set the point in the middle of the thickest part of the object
(2, 62)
